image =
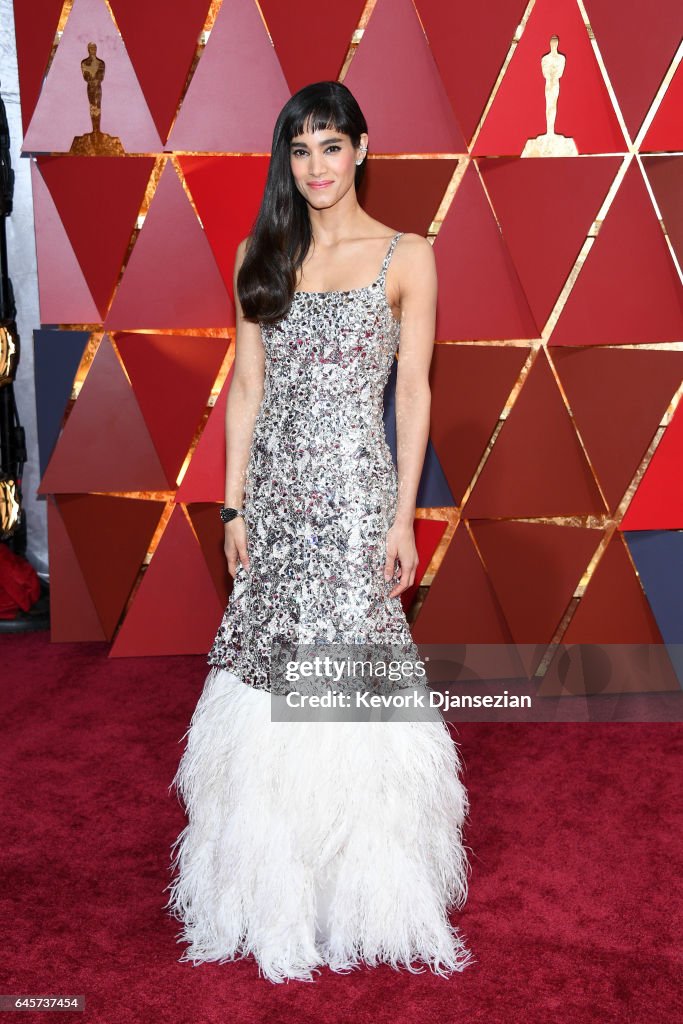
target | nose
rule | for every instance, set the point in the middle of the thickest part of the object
(317, 164)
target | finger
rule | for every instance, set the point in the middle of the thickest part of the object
(244, 557)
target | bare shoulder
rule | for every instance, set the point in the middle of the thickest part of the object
(414, 247)
(415, 269)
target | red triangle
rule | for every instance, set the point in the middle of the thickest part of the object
(470, 43)
(105, 445)
(613, 609)
(161, 37)
(460, 606)
(63, 293)
(73, 615)
(470, 385)
(220, 112)
(175, 610)
(111, 537)
(536, 466)
(205, 477)
(479, 292)
(636, 60)
(666, 131)
(35, 27)
(172, 376)
(658, 502)
(518, 109)
(665, 174)
(628, 291)
(534, 569)
(171, 279)
(617, 424)
(408, 112)
(296, 31)
(545, 209)
(98, 201)
(214, 181)
(210, 532)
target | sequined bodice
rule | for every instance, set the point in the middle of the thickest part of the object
(321, 485)
(327, 365)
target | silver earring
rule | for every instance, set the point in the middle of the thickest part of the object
(362, 154)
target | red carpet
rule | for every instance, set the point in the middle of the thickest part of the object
(575, 833)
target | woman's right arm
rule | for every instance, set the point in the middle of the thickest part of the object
(244, 399)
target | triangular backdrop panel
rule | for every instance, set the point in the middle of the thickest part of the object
(518, 109)
(63, 293)
(98, 200)
(205, 477)
(105, 445)
(110, 538)
(164, 617)
(35, 27)
(296, 29)
(387, 182)
(480, 295)
(613, 609)
(214, 183)
(628, 291)
(63, 111)
(470, 43)
(171, 280)
(407, 111)
(172, 376)
(534, 569)
(220, 114)
(56, 358)
(665, 174)
(636, 60)
(658, 556)
(207, 524)
(461, 606)
(161, 37)
(73, 616)
(546, 209)
(470, 385)
(658, 502)
(537, 466)
(617, 424)
(666, 131)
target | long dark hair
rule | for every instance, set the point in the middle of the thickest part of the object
(281, 234)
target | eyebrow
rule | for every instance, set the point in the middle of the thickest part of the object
(324, 142)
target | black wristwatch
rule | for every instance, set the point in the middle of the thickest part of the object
(228, 514)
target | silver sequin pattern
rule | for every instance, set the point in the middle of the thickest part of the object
(320, 487)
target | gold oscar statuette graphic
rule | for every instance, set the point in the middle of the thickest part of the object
(550, 144)
(95, 143)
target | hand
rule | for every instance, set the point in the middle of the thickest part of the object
(235, 546)
(401, 545)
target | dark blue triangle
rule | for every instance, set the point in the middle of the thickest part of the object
(56, 358)
(658, 557)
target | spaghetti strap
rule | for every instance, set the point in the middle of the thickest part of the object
(390, 252)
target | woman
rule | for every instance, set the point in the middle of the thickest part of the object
(330, 842)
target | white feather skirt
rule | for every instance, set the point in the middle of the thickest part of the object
(317, 843)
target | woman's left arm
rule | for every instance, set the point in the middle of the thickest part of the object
(416, 283)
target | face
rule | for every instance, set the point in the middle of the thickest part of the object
(323, 164)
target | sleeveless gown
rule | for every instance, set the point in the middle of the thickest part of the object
(312, 844)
